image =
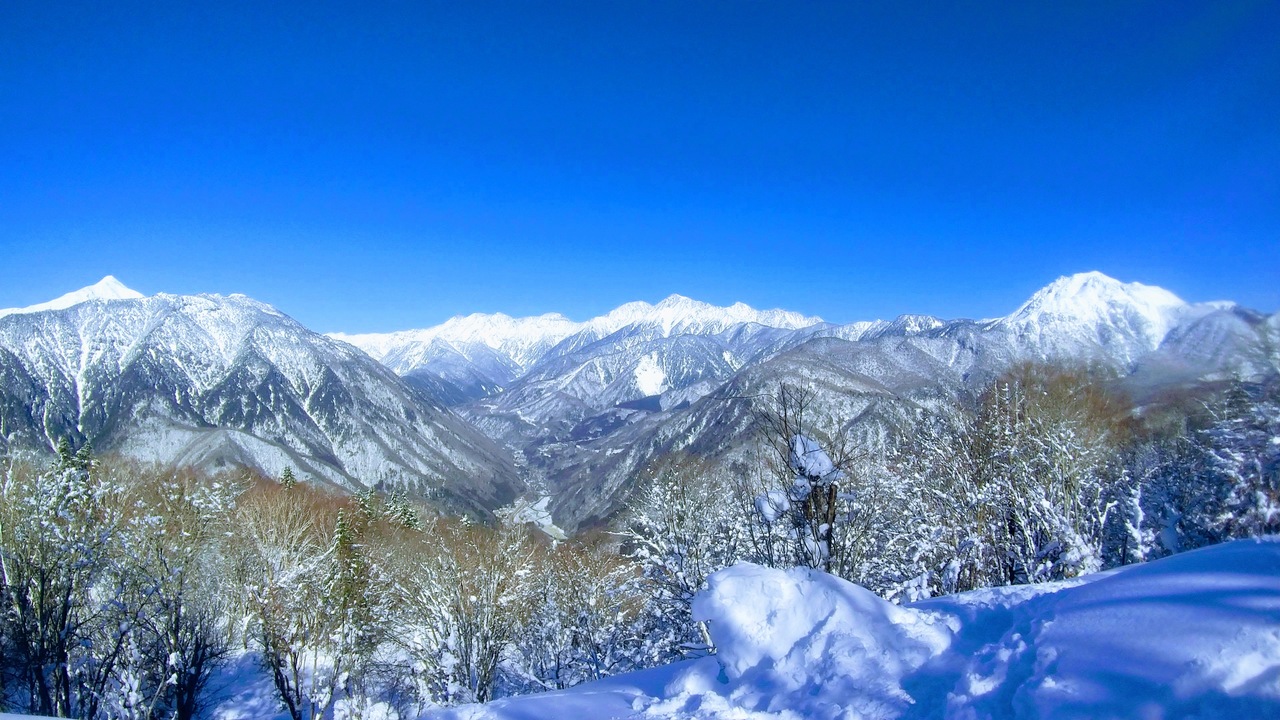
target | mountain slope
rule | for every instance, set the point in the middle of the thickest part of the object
(485, 354)
(210, 381)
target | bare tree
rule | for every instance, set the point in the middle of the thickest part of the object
(464, 593)
(283, 558)
(176, 557)
(804, 499)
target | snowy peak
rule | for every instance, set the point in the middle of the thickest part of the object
(1085, 294)
(525, 339)
(520, 338)
(498, 330)
(108, 288)
(678, 308)
(1089, 301)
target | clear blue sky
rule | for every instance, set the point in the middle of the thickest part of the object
(378, 166)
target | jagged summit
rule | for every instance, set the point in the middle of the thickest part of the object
(677, 312)
(524, 340)
(108, 288)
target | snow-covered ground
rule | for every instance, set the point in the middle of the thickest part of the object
(1194, 635)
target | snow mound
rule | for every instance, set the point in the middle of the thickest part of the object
(808, 459)
(1193, 635)
(807, 642)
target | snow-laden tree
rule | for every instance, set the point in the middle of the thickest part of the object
(586, 620)
(172, 565)
(59, 534)
(685, 524)
(815, 500)
(1243, 457)
(1210, 473)
(1045, 441)
(938, 466)
(355, 603)
(1020, 490)
(464, 594)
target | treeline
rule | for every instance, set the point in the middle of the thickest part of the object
(131, 591)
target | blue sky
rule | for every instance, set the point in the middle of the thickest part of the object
(379, 166)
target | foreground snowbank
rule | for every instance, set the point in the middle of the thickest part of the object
(1193, 635)
(807, 642)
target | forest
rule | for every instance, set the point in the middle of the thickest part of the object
(136, 591)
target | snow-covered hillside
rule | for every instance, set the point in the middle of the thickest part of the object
(212, 381)
(1194, 635)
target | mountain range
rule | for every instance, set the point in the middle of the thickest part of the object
(484, 409)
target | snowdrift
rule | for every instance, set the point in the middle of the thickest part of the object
(1195, 635)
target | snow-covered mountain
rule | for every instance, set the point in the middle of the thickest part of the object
(585, 409)
(519, 342)
(211, 381)
(482, 355)
(870, 378)
(1090, 314)
(607, 402)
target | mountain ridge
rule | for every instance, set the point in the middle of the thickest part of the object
(212, 380)
(583, 411)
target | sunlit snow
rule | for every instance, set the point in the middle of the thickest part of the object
(108, 288)
(1197, 634)
(651, 379)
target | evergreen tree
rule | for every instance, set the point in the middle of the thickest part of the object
(1243, 456)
